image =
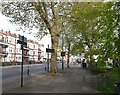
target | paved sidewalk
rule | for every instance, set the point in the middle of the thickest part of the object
(73, 80)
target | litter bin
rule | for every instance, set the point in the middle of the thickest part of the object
(117, 87)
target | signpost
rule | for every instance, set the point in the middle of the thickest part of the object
(62, 54)
(49, 51)
(23, 41)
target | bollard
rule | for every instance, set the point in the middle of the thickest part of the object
(45, 68)
(28, 72)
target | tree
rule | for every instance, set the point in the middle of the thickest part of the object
(109, 29)
(117, 40)
(39, 15)
(84, 21)
(97, 26)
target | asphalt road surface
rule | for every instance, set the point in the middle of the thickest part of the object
(11, 75)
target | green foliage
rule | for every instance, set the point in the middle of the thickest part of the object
(109, 83)
(101, 63)
(83, 20)
(44, 16)
(114, 74)
(94, 69)
(96, 25)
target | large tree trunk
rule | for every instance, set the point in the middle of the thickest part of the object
(68, 56)
(54, 39)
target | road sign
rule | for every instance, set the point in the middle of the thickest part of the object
(20, 37)
(23, 41)
(50, 50)
(62, 53)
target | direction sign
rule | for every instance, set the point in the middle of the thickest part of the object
(62, 53)
(50, 50)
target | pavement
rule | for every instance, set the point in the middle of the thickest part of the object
(69, 80)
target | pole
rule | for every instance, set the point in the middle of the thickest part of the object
(48, 61)
(22, 67)
(1, 74)
(28, 71)
(62, 51)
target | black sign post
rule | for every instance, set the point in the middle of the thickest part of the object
(23, 41)
(48, 59)
(48, 50)
(62, 53)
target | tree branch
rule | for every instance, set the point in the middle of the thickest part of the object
(52, 8)
(42, 14)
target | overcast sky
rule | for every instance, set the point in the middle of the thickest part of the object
(7, 26)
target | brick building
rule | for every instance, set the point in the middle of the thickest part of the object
(3, 47)
(14, 52)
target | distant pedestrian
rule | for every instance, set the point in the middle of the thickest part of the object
(84, 65)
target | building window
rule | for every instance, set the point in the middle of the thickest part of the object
(19, 58)
(33, 52)
(9, 49)
(34, 46)
(6, 39)
(0, 38)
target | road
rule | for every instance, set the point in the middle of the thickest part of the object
(11, 75)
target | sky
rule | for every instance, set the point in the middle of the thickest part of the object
(7, 26)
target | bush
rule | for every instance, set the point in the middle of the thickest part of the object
(101, 63)
(96, 70)
(110, 78)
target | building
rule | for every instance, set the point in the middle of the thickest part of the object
(34, 51)
(14, 52)
(3, 47)
(11, 49)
